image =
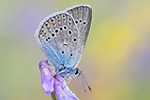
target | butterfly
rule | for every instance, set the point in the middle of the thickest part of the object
(63, 36)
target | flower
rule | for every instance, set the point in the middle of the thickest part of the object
(55, 84)
(47, 78)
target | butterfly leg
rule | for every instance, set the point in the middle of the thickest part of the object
(48, 63)
(69, 79)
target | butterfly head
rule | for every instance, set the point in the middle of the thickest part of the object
(76, 72)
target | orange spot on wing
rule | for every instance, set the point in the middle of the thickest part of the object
(42, 35)
(53, 23)
(48, 26)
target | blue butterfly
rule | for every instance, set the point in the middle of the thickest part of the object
(63, 36)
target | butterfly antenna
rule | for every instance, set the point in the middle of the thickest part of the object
(83, 78)
(83, 83)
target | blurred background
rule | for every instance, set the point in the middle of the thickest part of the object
(116, 60)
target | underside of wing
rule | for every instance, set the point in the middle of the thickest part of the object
(82, 15)
(58, 36)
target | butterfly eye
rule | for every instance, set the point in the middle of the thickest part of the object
(77, 72)
(62, 52)
(71, 54)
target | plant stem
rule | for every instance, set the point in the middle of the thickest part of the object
(53, 96)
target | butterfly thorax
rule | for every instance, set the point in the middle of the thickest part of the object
(67, 71)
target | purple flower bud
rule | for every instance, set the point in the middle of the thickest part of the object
(47, 78)
(57, 85)
(62, 91)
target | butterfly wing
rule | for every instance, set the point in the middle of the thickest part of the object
(63, 35)
(82, 15)
(58, 37)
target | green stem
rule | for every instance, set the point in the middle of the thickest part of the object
(53, 96)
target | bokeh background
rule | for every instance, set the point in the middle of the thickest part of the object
(116, 60)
